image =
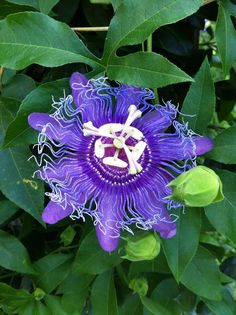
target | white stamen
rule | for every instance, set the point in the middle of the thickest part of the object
(138, 150)
(125, 131)
(119, 142)
(99, 149)
(110, 128)
(110, 160)
(90, 130)
(134, 113)
(134, 133)
(134, 166)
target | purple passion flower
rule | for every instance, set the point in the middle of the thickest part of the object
(105, 152)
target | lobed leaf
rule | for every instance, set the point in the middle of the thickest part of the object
(90, 252)
(14, 255)
(146, 69)
(180, 249)
(195, 279)
(16, 171)
(135, 20)
(222, 215)
(199, 102)
(39, 100)
(103, 295)
(225, 36)
(224, 149)
(52, 270)
(32, 37)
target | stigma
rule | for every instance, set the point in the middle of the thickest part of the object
(118, 135)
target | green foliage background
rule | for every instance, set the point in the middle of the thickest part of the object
(186, 52)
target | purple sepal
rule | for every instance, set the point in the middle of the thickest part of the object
(54, 212)
(107, 240)
(39, 120)
(166, 230)
(53, 129)
(78, 78)
(203, 144)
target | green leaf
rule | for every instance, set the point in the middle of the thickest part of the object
(226, 37)
(154, 307)
(222, 215)
(7, 8)
(35, 308)
(116, 3)
(90, 252)
(103, 295)
(7, 210)
(224, 149)
(229, 6)
(54, 305)
(52, 270)
(32, 37)
(132, 302)
(202, 275)
(145, 69)
(166, 294)
(75, 289)
(31, 3)
(135, 20)
(67, 236)
(8, 108)
(46, 6)
(14, 300)
(39, 100)
(16, 172)
(16, 181)
(14, 255)
(200, 99)
(180, 249)
(18, 87)
(225, 307)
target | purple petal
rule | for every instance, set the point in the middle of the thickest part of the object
(157, 120)
(78, 78)
(106, 241)
(128, 95)
(54, 213)
(165, 229)
(107, 230)
(203, 144)
(94, 103)
(54, 129)
(173, 147)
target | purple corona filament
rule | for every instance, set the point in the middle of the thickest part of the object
(111, 158)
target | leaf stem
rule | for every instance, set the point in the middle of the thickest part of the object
(149, 43)
(105, 28)
(208, 1)
(149, 49)
(91, 29)
(1, 74)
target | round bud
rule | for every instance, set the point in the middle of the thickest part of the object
(142, 246)
(197, 187)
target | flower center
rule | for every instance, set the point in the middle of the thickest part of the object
(121, 135)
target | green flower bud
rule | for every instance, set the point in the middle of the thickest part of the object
(139, 285)
(197, 187)
(142, 246)
(39, 294)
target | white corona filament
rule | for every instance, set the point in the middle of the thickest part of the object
(133, 153)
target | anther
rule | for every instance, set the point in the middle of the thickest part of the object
(138, 150)
(112, 161)
(134, 113)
